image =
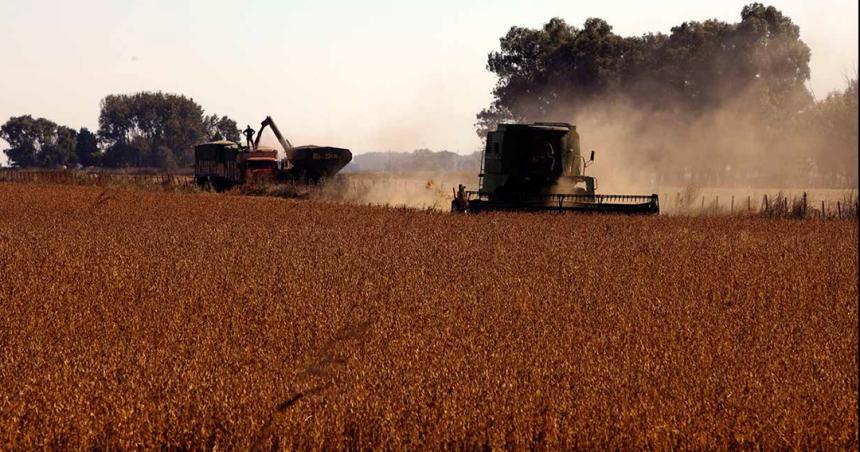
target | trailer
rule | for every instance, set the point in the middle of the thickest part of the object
(224, 164)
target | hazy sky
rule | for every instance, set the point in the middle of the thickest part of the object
(372, 75)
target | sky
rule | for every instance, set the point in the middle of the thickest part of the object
(370, 76)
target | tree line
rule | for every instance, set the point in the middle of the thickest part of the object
(683, 94)
(146, 129)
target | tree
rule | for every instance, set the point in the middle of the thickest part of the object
(157, 129)
(761, 57)
(221, 128)
(59, 151)
(540, 70)
(138, 127)
(87, 148)
(21, 133)
(38, 142)
(836, 120)
(121, 155)
(698, 66)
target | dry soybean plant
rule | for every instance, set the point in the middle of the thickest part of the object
(139, 319)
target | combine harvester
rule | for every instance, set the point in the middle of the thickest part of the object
(224, 164)
(539, 167)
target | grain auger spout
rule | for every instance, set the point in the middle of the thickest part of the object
(285, 143)
(308, 163)
(539, 167)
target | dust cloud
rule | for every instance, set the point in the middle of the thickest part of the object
(731, 146)
(728, 146)
(420, 189)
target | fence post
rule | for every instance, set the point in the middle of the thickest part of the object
(823, 212)
(803, 212)
(703, 202)
(732, 209)
(766, 204)
(839, 209)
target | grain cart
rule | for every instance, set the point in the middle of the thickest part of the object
(306, 163)
(223, 164)
(539, 167)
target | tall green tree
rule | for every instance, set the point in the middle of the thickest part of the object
(221, 128)
(136, 127)
(697, 66)
(836, 143)
(60, 150)
(38, 142)
(157, 129)
(87, 148)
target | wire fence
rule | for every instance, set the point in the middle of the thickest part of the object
(686, 202)
(798, 205)
(94, 178)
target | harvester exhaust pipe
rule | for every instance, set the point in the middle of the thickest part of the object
(590, 160)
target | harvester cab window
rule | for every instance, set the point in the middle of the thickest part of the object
(544, 154)
(579, 188)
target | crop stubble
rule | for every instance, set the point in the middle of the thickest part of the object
(144, 319)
